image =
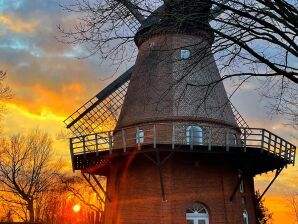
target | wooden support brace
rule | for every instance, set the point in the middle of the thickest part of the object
(101, 187)
(93, 188)
(278, 171)
(159, 164)
(236, 187)
(161, 178)
(209, 139)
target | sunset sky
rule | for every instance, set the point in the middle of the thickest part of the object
(50, 82)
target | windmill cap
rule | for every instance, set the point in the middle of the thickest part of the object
(168, 19)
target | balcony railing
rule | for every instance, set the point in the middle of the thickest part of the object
(190, 136)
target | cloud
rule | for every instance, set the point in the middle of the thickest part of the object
(12, 23)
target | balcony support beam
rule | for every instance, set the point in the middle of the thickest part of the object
(93, 188)
(240, 179)
(278, 171)
(159, 163)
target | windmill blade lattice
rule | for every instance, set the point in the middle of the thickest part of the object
(101, 112)
(128, 19)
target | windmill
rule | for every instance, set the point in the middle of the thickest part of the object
(176, 150)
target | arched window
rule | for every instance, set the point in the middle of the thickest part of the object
(233, 140)
(140, 136)
(198, 214)
(245, 217)
(194, 135)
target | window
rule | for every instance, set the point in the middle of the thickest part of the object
(241, 186)
(184, 54)
(194, 135)
(232, 139)
(245, 217)
(198, 214)
(140, 136)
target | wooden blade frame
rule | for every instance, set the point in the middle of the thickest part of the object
(102, 110)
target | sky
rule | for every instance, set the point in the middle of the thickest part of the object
(50, 81)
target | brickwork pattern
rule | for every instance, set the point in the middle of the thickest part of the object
(163, 84)
(136, 192)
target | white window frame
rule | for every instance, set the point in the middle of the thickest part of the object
(184, 54)
(196, 215)
(194, 135)
(140, 136)
(245, 217)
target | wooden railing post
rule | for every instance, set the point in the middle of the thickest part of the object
(138, 138)
(275, 140)
(280, 145)
(191, 137)
(209, 139)
(262, 141)
(269, 143)
(84, 147)
(110, 143)
(294, 159)
(71, 153)
(245, 139)
(286, 151)
(173, 136)
(227, 141)
(96, 144)
(154, 137)
(123, 139)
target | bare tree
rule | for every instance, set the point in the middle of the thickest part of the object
(5, 92)
(91, 198)
(252, 38)
(27, 168)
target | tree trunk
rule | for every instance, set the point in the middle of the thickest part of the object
(31, 211)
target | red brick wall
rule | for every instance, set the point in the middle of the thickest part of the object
(134, 186)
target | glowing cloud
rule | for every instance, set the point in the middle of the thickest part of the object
(17, 25)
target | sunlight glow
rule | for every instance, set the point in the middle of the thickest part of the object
(76, 208)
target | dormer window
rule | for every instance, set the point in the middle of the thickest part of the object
(184, 54)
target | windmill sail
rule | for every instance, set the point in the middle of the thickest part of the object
(102, 111)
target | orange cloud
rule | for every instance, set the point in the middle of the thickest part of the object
(17, 25)
(43, 101)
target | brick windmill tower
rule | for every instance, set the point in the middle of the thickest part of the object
(179, 152)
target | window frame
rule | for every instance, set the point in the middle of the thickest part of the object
(185, 54)
(191, 138)
(140, 136)
(196, 215)
(245, 217)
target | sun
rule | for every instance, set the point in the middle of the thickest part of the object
(76, 208)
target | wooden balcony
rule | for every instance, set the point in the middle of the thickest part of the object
(252, 144)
